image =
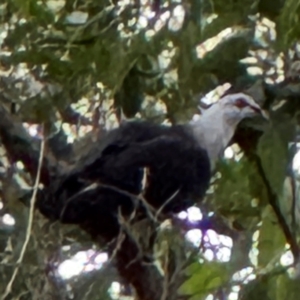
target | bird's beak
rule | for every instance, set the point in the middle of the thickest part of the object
(257, 109)
(265, 114)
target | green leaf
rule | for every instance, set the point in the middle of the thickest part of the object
(235, 191)
(271, 242)
(204, 278)
(272, 286)
(287, 26)
(273, 151)
(287, 288)
(257, 289)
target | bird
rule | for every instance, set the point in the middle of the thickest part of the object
(149, 168)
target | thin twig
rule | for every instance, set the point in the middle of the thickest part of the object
(95, 185)
(29, 225)
(120, 240)
(166, 203)
(294, 203)
(165, 292)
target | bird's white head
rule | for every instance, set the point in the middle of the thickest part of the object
(236, 107)
(217, 125)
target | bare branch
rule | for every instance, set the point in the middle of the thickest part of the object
(273, 200)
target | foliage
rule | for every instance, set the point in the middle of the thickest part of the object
(77, 66)
(205, 278)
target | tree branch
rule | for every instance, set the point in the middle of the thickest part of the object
(273, 200)
(29, 225)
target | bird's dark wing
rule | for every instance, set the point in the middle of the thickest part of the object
(93, 195)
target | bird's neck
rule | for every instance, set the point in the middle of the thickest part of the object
(213, 132)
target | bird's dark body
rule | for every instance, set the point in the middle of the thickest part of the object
(178, 171)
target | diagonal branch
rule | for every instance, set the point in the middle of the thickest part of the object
(273, 200)
(29, 226)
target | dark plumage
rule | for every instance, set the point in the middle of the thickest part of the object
(177, 161)
(177, 167)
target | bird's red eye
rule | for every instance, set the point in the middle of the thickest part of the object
(240, 103)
